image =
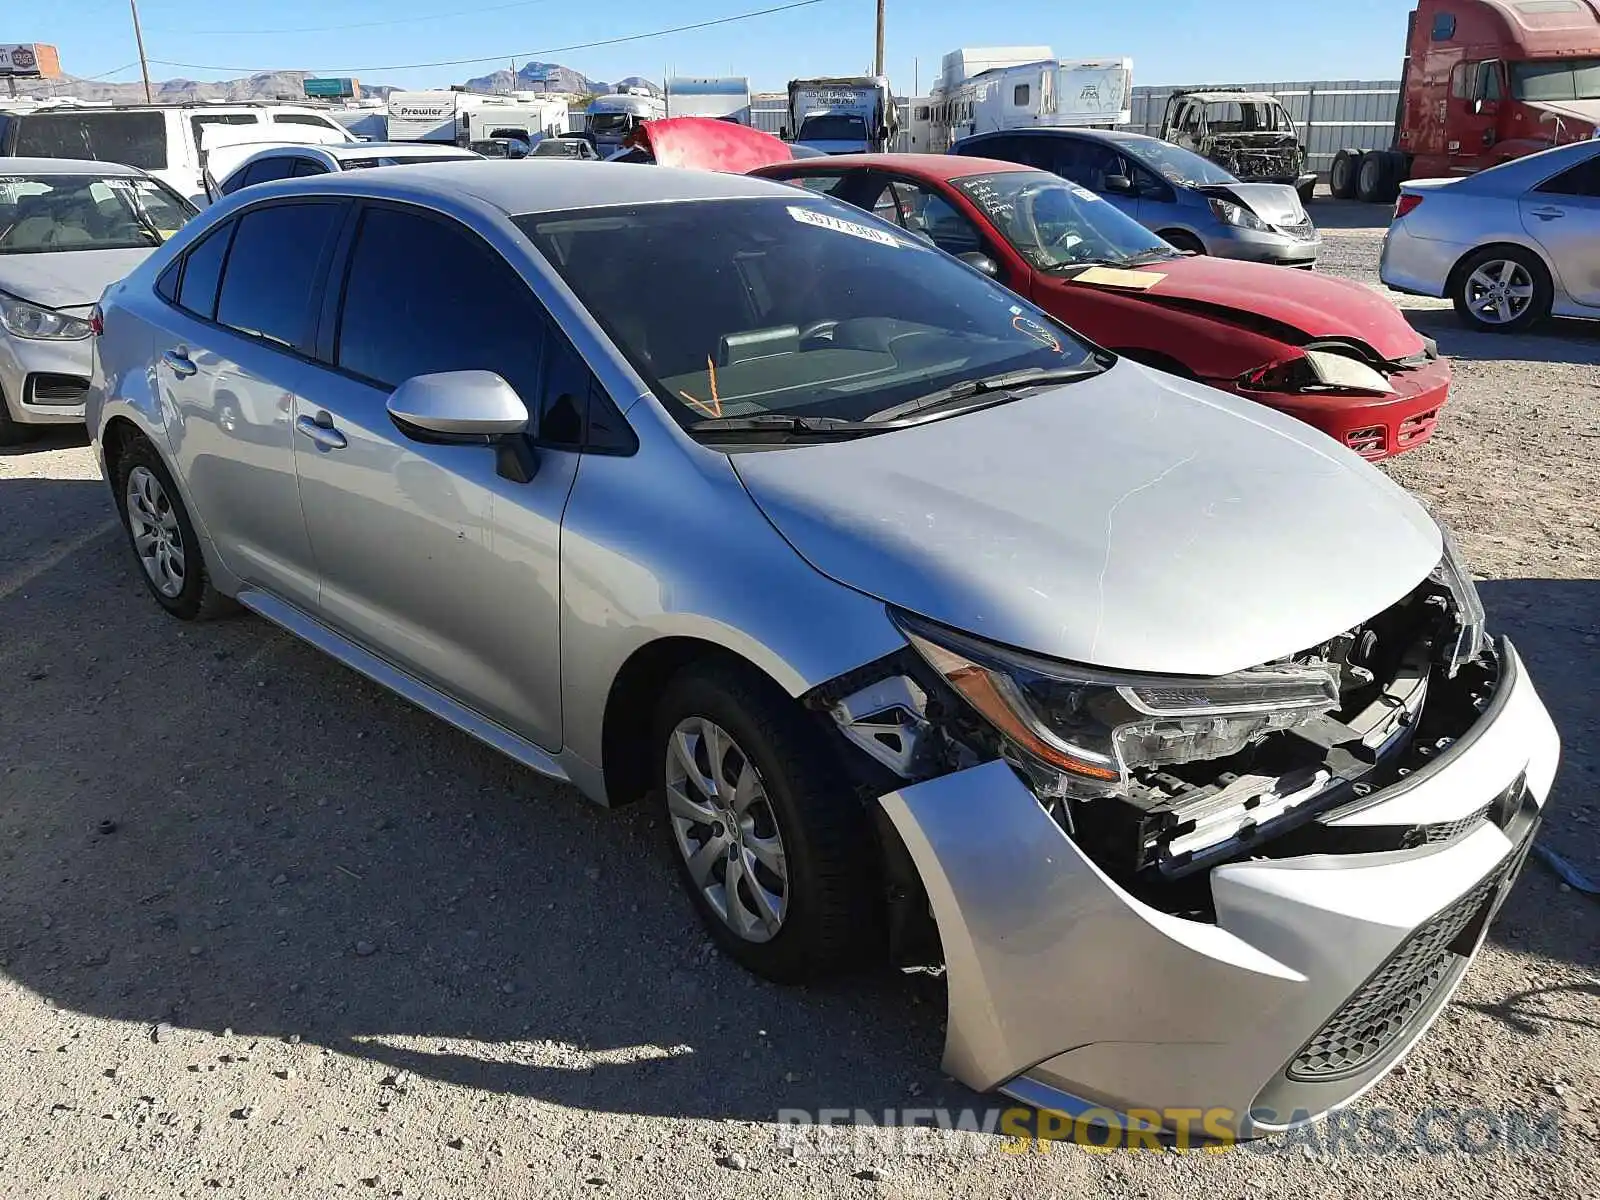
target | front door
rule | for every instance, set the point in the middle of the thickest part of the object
(427, 556)
(233, 363)
(1563, 215)
(1473, 116)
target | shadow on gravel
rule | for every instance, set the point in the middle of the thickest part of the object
(1525, 1012)
(214, 826)
(1329, 213)
(1555, 626)
(1562, 341)
(50, 437)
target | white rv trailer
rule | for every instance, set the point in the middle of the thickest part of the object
(1057, 93)
(444, 116)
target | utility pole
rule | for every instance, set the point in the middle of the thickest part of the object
(144, 67)
(879, 59)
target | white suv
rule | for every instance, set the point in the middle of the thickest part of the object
(167, 141)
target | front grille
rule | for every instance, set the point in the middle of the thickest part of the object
(1445, 831)
(1374, 439)
(44, 388)
(1304, 232)
(1418, 428)
(1373, 1019)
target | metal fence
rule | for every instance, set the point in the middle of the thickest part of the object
(1330, 114)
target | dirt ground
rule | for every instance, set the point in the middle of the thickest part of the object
(265, 930)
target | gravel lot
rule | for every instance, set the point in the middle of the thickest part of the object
(265, 930)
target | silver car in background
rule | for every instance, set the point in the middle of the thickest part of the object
(938, 634)
(1510, 246)
(67, 230)
(1190, 201)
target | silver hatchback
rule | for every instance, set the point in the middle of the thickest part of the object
(936, 633)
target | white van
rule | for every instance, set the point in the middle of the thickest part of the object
(168, 141)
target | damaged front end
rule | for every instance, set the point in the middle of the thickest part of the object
(1258, 157)
(1190, 906)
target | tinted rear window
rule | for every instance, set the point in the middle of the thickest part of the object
(202, 270)
(272, 271)
(138, 139)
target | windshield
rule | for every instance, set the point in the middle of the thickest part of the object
(802, 307)
(47, 214)
(834, 127)
(610, 122)
(1175, 163)
(1569, 79)
(1233, 116)
(1053, 223)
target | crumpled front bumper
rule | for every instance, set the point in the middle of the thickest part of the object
(1067, 993)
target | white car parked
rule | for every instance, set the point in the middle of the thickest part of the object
(239, 166)
(167, 141)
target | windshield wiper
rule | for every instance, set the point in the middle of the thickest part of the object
(1152, 255)
(781, 423)
(1002, 388)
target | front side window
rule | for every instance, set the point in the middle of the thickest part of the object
(803, 307)
(48, 214)
(1053, 223)
(266, 170)
(1547, 82)
(424, 295)
(138, 139)
(271, 273)
(929, 214)
(1020, 95)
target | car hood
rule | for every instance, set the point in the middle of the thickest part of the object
(1313, 305)
(1275, 203)
(1570, 110)
(68, 279)
(1131, 521)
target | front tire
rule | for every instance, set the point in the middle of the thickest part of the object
(1186, 242)
(774, 848)
(1502, 289)
(163, 537)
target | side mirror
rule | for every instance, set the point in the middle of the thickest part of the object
(981, 262)
(1119, 185)
(467, 407)
(783, 133)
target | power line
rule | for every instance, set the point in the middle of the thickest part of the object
(466, 12)
(113, 71)
(502, 57)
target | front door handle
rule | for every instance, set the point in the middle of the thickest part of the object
(324, 435)
(1549, 214)
(182, 366)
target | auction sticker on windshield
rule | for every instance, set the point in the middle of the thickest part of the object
(838, 225)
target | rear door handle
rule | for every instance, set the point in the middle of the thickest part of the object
(1549, 214)
(180, 362)
(325, 436)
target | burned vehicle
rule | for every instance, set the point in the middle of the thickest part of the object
(935, 632)
(1248, 134)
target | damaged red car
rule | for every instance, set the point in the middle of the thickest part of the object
(1331, 352)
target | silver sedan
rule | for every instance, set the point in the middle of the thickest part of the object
(936, 633)
(1510, 246)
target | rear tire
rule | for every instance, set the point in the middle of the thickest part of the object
(162, 536)
(751, 793)
(1376, 178)
(1342, 175)
(1502, 289)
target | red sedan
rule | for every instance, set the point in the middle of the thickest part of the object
(1331, 352)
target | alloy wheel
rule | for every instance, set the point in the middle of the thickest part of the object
(157, 537)
(1499, 291)
(724, 826)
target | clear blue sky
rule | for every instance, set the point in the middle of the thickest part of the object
(1171, 41)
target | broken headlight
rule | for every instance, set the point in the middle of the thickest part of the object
(1472, 635)
(1236, 215)
(1091, 727)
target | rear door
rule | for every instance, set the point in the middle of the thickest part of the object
(239, 330)
(1563, 215)
(427, 556)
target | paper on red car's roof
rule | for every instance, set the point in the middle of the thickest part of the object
(706, 144)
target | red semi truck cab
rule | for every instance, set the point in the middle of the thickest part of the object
(1484, 81)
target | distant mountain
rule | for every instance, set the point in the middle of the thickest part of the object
(270, 85)
(538, 77)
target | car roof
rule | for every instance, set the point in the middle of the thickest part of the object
(1093, 135)
(532, 185)
(344, 150)
(1217, 97)
(65, 166)
(943, 167)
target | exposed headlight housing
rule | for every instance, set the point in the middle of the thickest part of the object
(1472, 635)
(1317, 371)
(24, 320)
(1236, 215)
(1091, 727)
